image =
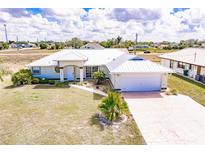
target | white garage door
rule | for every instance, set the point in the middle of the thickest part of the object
(139, 82)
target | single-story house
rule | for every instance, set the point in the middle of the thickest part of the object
(189, 62)
(92, 45)
(126, 72)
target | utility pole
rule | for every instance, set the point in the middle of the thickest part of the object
(136, 38)
(6, 33)
(17, 40)
(195, 57)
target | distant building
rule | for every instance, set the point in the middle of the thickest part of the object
(203, 44)
(92, 45)
(138, 47)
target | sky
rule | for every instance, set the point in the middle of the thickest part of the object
(98, 24)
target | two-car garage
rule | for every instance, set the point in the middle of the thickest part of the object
(139, 76)
(138, 82)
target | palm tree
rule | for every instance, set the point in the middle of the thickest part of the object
(113, 106)
(99, 76)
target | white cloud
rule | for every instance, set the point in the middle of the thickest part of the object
(101, 24)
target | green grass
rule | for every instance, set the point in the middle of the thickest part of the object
(187, 87)
(45, 114)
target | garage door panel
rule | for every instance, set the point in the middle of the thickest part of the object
(139, 82)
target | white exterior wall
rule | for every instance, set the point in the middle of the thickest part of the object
(164, 80)
(165, 62)
(71, 63)
(48, 72)
(192, 71)
(202, 70)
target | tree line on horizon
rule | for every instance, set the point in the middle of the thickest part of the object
(117, 42)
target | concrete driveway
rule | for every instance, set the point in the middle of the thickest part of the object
(167, 119)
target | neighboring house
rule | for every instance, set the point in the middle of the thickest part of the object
(135, 47)
(126, 72)
(203, 44)
(189, 62)
(92, 45)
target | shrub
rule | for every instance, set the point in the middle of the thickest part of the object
(51, 81)
(22, 77)
(35, 81)
(174, 92)
(43, 46)
(98, 76)
(171, 92)
(61, 84)
(113, 106)
(43, 81)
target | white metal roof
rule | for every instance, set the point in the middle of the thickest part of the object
(141, 66)
(48, 60)
(100, 57)
(189, 55)
(91, 57)
(71, 55)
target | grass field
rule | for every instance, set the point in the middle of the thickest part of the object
(44, 114)
(187, 87)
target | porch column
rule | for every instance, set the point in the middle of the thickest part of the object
(81, 74)
(61, 74)
(164, 80)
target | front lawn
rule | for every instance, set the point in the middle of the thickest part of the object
(43, 114)
(187, 87)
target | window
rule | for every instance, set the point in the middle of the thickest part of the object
(90, 71)
(57, 69)
(94, 69)
(181, 65)
(36, 70)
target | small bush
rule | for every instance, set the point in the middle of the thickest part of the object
(22, 77)
(174, 92)
(43, 81)
(51, 81)
(35, 81)
(171, 92)
(61, 84)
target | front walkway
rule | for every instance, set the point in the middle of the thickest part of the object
(167, 119)
(89, 89)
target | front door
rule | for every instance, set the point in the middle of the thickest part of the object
(70, 73)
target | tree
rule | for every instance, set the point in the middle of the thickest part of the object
(75, 43)
(113, 106)
(118, 39)
(99, 76)
(22, 77)
(5, 45)
(43, 46)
